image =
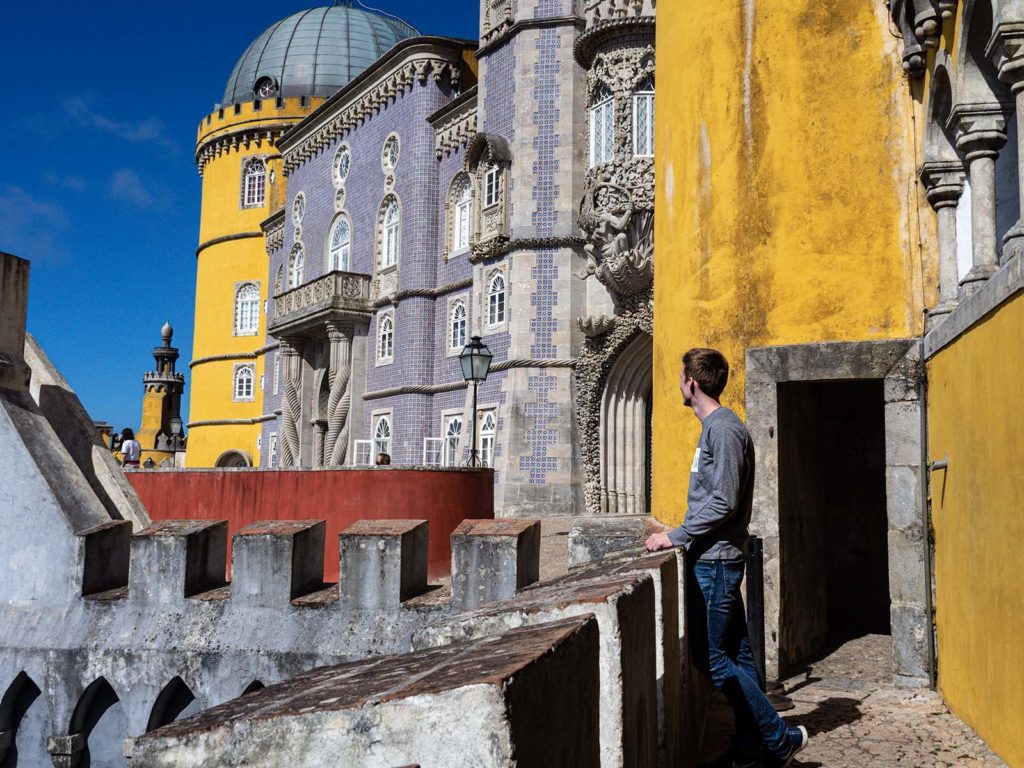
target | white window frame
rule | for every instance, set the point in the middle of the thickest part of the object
(458, 327)
(336, 175)
(382, 444)
(362, 453)
(433, 451)
(385, 351)
(487, 438)
(298, 209)
(643, 135)
(343, 249)
(247, 309)
(277, 372)
(391, 234)
(239, 392)
(450, 449)
(263, 377)
(462, 212)
(386, 162)
(602, 128)
(272, 450)
(296, 273)
(492, 185)
(254, 183)
(496, 301)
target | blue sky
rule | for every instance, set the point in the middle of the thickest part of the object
(99, 187)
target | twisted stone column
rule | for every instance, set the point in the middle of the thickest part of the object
(980, 134)
(340, 399)
(944, 184)
(291, 404)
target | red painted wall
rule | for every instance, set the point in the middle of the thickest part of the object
(341, 497)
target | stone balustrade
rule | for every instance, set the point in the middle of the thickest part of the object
(604, 10)
(319, 298)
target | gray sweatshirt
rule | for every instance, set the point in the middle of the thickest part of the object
(721, 490)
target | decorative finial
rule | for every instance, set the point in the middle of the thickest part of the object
(167, 332)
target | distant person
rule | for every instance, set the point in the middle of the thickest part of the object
(383, 459)
(714, 533)
(131, 451)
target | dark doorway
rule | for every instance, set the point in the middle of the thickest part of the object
(834, 575)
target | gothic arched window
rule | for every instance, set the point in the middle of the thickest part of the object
(488, 429)
(244, 377)
(496, 299)
(382, 435)
(643, 119)
(390, 232)
(247, 309)
(462, 211)
(602, 127)
(457, 337)
(340, 246)
(254, 183)
(452, 432)
(386, 339)
(296, 266)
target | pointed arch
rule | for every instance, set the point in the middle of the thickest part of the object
(625, 430)
(25, 714)
(175, 702)
(977, 80)
(255, 685)
(100, 718)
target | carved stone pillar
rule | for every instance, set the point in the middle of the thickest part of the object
(319, 433)
(1007, 49)
(340, 401)
(291, 404)
(944, 184)
(980, 134)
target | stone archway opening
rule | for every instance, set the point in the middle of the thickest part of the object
(175, 702)
(100, 717)
(625, 431)
(233, 460)
(24, 724)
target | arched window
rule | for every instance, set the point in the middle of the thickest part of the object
(386, 338)
(643, 119)
(382, 435)
(390, 234)
(254, 183)
(462, 210)
(342, 165)
(496, 299)
(244, 377)
(488, 429)
(247, 309)
(298, 209)
(279, 284)
(296, 266)
(602, 127)
(492, 185)
(457, 337)
(452, 433)
(340, 248)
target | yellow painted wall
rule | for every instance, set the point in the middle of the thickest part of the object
(220, 267)
(786, 197)
(975, 419)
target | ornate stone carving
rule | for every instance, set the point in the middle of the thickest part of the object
(496, 21)
(597, 11)
(595, 326)
(591, 375)
(620, 247)
(385, 284)
(291, 405)
(920, 23)
(455, 129)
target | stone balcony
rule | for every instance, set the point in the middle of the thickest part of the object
(598, 11)
(332, 296)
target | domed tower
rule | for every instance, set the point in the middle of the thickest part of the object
(283, 75)
(160, 434)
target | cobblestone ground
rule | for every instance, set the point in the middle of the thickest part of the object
(856, 719)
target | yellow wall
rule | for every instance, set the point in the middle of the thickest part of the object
(975, 419)
(786, 202)
(220, 267)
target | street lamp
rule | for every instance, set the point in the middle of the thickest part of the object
(476, 362)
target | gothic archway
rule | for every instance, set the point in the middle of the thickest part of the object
(625, 429)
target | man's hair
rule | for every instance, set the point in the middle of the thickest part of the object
(709, 368)
(127, 434)
(383, 459)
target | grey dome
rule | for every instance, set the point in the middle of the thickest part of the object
(315, 52)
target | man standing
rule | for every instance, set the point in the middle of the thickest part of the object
(714, 534)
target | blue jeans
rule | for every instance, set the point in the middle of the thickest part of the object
(724, 654)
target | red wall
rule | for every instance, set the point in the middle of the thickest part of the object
(341, 497)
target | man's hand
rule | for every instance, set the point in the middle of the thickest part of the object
(658, 541)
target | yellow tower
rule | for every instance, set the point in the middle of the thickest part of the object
(283, 75)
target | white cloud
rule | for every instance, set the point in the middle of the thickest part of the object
(85, 111)
(30, 227)
(126, 185)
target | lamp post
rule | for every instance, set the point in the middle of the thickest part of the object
(476, 362)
